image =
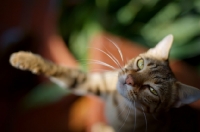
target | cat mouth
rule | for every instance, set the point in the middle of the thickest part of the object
(124, 88)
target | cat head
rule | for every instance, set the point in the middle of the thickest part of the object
(148, 81)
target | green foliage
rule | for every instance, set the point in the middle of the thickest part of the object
(43, 94)
(143, 21)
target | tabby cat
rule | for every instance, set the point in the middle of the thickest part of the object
(136, 96)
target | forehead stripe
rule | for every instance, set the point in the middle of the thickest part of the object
(149, 64)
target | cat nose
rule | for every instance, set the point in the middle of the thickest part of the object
(129, 80)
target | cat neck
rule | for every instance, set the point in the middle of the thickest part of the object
(133, 118)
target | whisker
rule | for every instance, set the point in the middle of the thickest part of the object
(99, 62)
(99, 70)
(115, 60)
(117, 49)
(104, 64)
(119, 65)
(111, 57)
(96, 70)
(135, 116)
(144, 118)
(118, 106)
(125, 119)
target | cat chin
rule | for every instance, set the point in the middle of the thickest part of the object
(137, 105)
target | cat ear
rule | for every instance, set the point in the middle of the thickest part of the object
(186, 94)
(162, 48)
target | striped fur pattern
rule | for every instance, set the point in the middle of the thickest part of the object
(135, 96)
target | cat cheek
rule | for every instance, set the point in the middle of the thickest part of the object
(121, 88)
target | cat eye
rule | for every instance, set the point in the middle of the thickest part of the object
(153, 91)
(140, 64)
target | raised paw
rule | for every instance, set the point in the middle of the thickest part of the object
(26, 61)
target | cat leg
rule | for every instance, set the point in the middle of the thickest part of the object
(65, 76)
(100, 84)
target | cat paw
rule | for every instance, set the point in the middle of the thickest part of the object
(101, 127)
(25, 61)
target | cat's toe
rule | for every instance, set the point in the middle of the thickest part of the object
(21, 66)
(26, 61)
(13, 60)
(18, 60)
(36, 71)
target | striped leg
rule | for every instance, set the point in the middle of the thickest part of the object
(100, 84)
(38, 65)
(64, 76)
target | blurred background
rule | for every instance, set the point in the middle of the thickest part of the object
(143, 21)
(57, 28)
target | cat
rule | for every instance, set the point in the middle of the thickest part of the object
(136, 95)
